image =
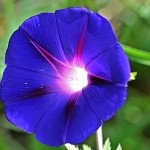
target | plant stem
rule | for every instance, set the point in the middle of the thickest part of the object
(99, 139)
(71, 147)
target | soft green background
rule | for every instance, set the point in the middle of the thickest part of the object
(131, 22)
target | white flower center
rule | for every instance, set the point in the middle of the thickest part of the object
(77, 79)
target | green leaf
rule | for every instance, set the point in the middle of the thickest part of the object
(7, 142)
(119, 147)
(107, 145)
(133, 76)
(137, 55)
(86, 147)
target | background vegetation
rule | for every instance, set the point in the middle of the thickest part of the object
(131, 22)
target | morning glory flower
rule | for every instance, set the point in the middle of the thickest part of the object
(65, 75)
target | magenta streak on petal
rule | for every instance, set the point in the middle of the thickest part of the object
(58, 32)
(56, 64)
(97, 80)
(69, 112)
(79, 49)
(102, 81)
(34, 93)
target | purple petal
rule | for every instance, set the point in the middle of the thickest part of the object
(99, 37)
(29, 98)
(83, 122)
(106, 99)
(111, 65)
(43, 29)
(96, 104)
(50, 128)
(43, 115)
(59, 66)
(41, 58)
(72, 25)
(21, 53)
(18, 84)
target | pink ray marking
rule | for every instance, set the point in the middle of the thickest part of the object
(98, 77)
(94, 79)
(79, 49)
(59, 66)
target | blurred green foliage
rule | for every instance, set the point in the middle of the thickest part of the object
(107, 145)
(131, 22)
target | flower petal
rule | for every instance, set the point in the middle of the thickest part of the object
(43, 29)
(21, 53)
(99, 37)
(71, 25)
(26, 114)
(59, 66)
(112, 65)
(18, 83)
(83, 122)
(106, 99)
(95, 105)
(31, 89)
(29, 98)
(50, 128)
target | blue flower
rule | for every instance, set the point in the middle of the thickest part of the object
(65, 74)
